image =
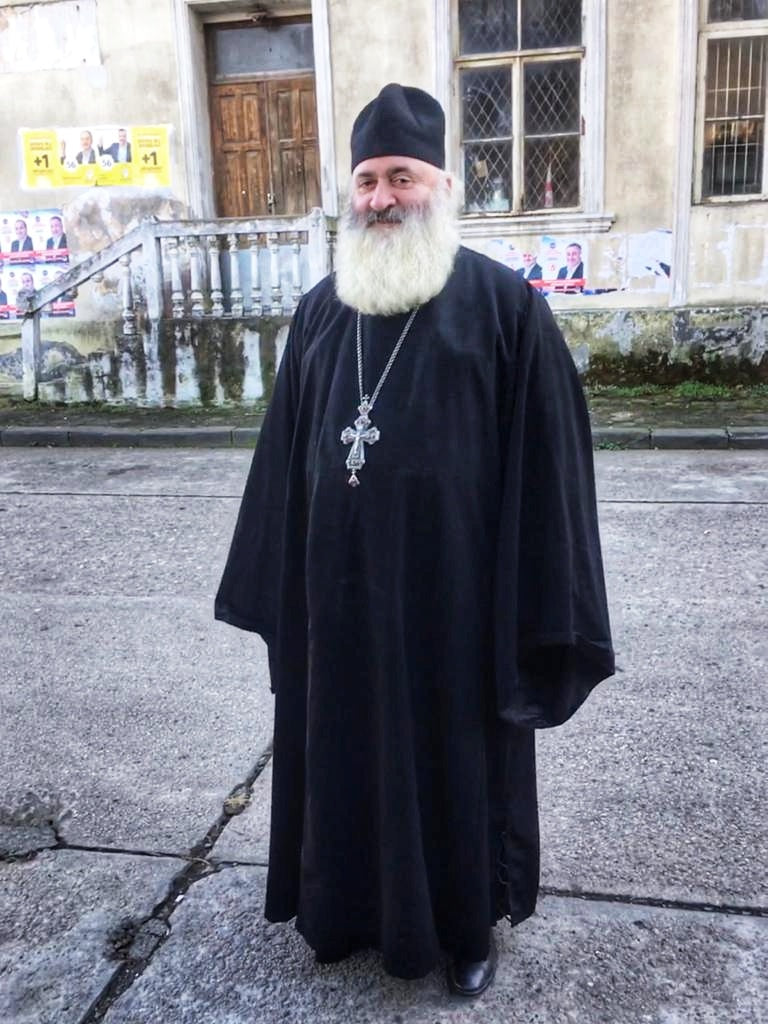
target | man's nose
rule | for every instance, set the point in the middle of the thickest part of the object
(383, 197)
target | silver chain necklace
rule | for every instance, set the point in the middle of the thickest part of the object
(363, 432)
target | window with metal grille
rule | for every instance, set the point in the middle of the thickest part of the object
(519, 67)
(735, 92)
(737, 10)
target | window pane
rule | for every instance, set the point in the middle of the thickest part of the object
(548, 23)
(488, 176)
(249, 50)
(552, 130)
(735, 77)
(733, 158)
(486, 103)
(737, 10)
(551, 172)
(552, 97)
(486, 113)
(734, 119)
(487, 26)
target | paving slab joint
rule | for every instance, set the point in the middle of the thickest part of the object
(136, 942)
(695, 906)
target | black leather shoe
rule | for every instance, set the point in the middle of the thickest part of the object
(471, 977)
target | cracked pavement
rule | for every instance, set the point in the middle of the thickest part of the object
(135, 766)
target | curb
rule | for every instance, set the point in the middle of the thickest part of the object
(643, 438)
(680, 438)
(129, 437)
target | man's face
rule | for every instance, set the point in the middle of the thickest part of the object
(385, 188)
(27, 282)
(85, 140)
(56, 227)
(21, 230)
(122, 136)
(528, 259)
(573, 255)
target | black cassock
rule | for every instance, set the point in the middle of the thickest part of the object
(422, 625)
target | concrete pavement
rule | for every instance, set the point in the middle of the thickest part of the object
(134, 759)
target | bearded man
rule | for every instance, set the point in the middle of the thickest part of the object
(418, 546)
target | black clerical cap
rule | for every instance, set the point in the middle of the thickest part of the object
(401, 121)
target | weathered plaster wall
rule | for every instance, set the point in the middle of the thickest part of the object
(371, 45)
(130, 77)
(641, 114)
(667, 346)
(188, 362)
(729, 253)
(232, 362)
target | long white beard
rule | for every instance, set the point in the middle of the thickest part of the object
(390, 270)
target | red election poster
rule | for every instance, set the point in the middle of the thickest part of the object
(33, 253)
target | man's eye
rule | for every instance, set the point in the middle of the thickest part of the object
(401, 181)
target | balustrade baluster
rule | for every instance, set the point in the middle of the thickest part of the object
(330, 241)
(177, 291)
(129, 317)
(217, 296)
(195, 277)
(235, 291)
(274, 273)
(296, 270)
(254, 248)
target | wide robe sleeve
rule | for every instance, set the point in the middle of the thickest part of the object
(552, 633)
(249, 592)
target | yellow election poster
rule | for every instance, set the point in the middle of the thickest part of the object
(41, 159)
(152, 163)
(137, 155)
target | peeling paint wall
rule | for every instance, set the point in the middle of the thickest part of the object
(196, 362)
(125, 72)
(171, 363)
(641, 113)
(41, 37)
(729, 253)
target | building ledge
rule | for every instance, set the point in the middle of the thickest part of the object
(569, 222)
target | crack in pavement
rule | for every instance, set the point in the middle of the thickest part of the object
(136, 943)
(696, 906)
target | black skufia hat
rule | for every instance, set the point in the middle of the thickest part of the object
(401, 121)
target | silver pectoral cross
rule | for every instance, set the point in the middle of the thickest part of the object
(358, 436)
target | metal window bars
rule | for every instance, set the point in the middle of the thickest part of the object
(734, 116)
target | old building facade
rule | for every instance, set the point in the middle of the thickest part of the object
(615, 154)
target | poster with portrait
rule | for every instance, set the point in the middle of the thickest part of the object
(33, 253)
(137, 155)
(551, 264)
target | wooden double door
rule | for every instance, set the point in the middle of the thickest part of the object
(265, 152)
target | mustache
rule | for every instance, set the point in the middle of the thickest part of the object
(392, 215)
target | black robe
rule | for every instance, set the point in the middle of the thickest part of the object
(421, 625)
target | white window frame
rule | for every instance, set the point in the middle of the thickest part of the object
(591, 215)
(741, 29)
